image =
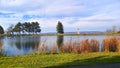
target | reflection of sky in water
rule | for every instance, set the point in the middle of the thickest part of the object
(13, 46)
(19, 45)
(13, 51)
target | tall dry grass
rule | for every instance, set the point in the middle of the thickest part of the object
(70, 47)
(1, 45)
(42, 48)
(81, 47)
(54, 49)
(85, 46)
(89, 46)
(94, 44)
(110, 44)
(118, 45)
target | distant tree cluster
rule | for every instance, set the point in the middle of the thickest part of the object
(113, 29)
(26, 27)
(1, 30)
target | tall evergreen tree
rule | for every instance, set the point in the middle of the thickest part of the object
(33, 25)
(37, 28)
(1, 30)
(27, 27)
(60, 28)
(18, 27)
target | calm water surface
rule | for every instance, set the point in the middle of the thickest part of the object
(21, 45)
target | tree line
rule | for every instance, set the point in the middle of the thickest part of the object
(34, 27)
(29, 28)
(26, 27)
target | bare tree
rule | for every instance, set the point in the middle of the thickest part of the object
(10, 29)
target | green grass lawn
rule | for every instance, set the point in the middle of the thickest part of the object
(58, 60)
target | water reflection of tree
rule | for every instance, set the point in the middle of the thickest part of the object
(60, 40)
(27, 42)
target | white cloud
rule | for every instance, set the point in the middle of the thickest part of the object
(68, 22)
(99, 17)
(11, 3)
(73, 13)
(75, 22)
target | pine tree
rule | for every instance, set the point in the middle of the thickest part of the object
(60, 28)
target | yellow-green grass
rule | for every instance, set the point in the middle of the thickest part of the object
(59, 60)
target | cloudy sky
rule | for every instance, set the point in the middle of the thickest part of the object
(88, 15)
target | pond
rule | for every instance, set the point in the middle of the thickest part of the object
(21, 45)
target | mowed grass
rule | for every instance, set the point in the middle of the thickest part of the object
(59, 60)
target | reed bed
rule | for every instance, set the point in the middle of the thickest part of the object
(110, 44)
(94, 45)
(85, 46)
(54, 49)
(118, 45)
(1, 44)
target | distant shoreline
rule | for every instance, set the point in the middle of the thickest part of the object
(110, 34)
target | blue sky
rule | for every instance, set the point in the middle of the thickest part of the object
(88, 15)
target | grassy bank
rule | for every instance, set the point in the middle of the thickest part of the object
(59, 60)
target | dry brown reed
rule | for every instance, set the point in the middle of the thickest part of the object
(66, 48)
(94, 44)
(41, 48)
(54, 49)
(110, 44)
(76, 47)
(85, 46)
(118, 45)
(1, 44)
(38, 49)
(71, 47)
